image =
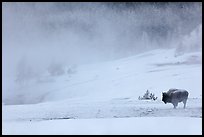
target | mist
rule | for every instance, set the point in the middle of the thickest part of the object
(37, 34)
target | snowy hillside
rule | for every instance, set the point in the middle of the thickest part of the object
(156, 71)
(110, 91)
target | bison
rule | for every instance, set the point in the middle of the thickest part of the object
(175, 96)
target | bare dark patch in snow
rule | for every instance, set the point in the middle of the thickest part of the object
(156, 70)
(189, 61)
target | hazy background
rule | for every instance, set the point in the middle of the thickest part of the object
(36, 35)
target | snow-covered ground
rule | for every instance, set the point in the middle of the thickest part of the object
(114, 108)
(103, 98)
(109, 126)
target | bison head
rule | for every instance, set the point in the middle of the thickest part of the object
(164, 97)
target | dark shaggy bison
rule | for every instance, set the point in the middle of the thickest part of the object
(175, 96)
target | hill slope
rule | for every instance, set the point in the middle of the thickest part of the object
(110, 90)
(156, 71)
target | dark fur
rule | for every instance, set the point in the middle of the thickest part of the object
(175, 96)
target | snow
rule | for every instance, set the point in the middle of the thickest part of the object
(102, 98)
(108, 126)
(116, 107)
(156, 70)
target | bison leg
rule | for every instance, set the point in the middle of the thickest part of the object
(175, 105)
(184, 102)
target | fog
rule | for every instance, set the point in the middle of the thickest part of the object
(38, 34)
